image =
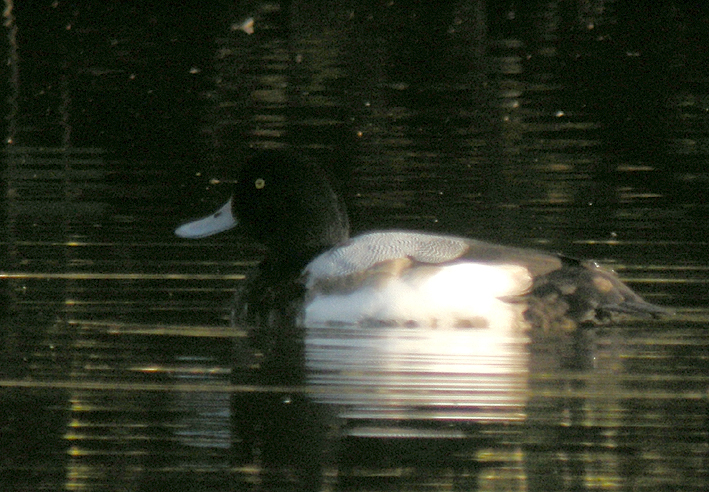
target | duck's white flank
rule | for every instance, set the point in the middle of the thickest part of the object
(459, 295)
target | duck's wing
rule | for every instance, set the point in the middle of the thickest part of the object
(400, 249)
(367, 251)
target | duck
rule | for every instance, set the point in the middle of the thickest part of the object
(400, 322)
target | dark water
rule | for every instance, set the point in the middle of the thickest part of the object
(578, 126)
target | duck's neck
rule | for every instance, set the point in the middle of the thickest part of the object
(292, 259)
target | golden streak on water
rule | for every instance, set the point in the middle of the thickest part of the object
(117, 328)
(159, 387)
(119, 276)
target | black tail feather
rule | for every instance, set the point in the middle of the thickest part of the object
(580, 292)
(641, 308)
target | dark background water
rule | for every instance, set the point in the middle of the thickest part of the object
(574, 126)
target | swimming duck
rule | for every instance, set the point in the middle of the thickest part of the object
(388, 311)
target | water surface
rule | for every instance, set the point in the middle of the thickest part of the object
(579, 127)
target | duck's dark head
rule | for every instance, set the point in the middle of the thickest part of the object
(284, 202)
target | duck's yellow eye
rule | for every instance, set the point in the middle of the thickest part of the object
(259, 183)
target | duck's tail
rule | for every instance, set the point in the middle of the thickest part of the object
(581, 292)
(613, 296)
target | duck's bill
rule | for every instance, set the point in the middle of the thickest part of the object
(220, 221)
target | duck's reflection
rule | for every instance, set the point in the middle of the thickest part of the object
(383, 409)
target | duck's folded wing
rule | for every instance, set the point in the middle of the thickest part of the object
(364, 252)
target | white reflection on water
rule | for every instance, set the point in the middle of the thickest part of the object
(462, 374)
